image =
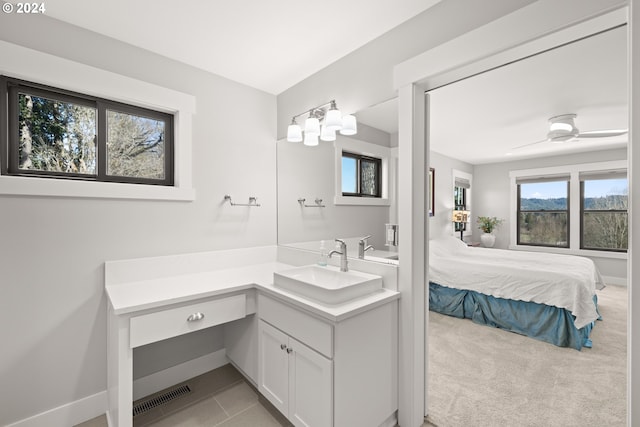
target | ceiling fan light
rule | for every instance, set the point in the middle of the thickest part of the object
(349, 125)
(562, 126)
(294, 132)
(327, 134)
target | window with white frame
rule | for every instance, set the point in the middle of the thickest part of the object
(461, 188)
(362, 173)
(56, 133)
(603, 211)
(78, 78)
(543, 211)
(462, 182)
(580, 208)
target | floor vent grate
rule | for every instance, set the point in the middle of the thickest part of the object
(148, 405)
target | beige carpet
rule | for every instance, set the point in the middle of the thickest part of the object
(482, 376)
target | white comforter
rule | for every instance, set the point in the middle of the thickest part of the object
(564, 281)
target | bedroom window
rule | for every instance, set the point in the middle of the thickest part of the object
(604, 217)
(543, 212)
(460, 188)
(54, 133)
(361, 175)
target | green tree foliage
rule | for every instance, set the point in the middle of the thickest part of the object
(543, 228)
(56, 136)
(605, 222)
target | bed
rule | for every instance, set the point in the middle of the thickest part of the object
(549, 297)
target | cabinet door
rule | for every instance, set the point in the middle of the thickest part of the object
(310, 387)
(273, 366)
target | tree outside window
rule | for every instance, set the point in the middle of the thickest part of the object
(53, 133)
(605, 222)
(543, 213)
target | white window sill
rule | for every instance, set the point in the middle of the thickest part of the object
(27, 186)
(566, 251)
(361, 201)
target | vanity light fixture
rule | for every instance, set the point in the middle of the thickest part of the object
(294, 133)
(322, 123)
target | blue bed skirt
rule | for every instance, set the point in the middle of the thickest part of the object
(542, 322)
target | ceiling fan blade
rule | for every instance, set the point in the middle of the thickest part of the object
(531, 143)
(602, 133)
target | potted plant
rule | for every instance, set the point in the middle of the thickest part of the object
(487, 224)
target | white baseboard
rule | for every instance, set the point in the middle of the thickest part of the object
(93, 406)
(68, 414)
(176, 374)
(611, 280)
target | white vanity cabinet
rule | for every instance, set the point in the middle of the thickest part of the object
(322, 373)
(294, 378)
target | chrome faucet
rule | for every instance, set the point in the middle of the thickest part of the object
(363, 247)
(343, 255)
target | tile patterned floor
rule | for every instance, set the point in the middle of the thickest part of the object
(221, 397)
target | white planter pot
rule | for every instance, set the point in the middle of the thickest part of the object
(488, 240)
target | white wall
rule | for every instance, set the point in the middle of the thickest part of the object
(309, 172)
(365, 77)
(440, 224)
(52, 303)
(491, 192)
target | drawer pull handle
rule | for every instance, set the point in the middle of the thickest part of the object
(289, 350)
(283, 346)
(195, 317)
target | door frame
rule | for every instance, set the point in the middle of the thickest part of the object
(534, 28)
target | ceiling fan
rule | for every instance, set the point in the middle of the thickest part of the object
(562, 128)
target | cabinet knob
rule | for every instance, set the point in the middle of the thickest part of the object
(289, 350)
(283, 346)
(195, 317)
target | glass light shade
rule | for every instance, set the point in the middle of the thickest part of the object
(294, 133)
(349, 125)
(310, 139)
(327, 134)
(312, 126)
(333, 120)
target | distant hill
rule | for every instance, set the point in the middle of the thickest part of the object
(609, 202)
(544, 204)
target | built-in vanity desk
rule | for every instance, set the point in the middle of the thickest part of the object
(320, 365)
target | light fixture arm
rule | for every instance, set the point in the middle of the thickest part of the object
(315, 110)
(322, 123)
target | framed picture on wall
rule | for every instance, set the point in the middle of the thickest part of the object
(431, 194)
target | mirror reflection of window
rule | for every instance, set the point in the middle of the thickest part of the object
(361, 175)
(349, 174)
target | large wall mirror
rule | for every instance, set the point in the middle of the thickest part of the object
(343, 189)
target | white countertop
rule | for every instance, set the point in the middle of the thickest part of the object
(137, 295)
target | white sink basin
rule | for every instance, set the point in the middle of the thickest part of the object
(327, 284)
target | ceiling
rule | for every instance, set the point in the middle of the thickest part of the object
(481, 119)
(268, 45)
(477, 120)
